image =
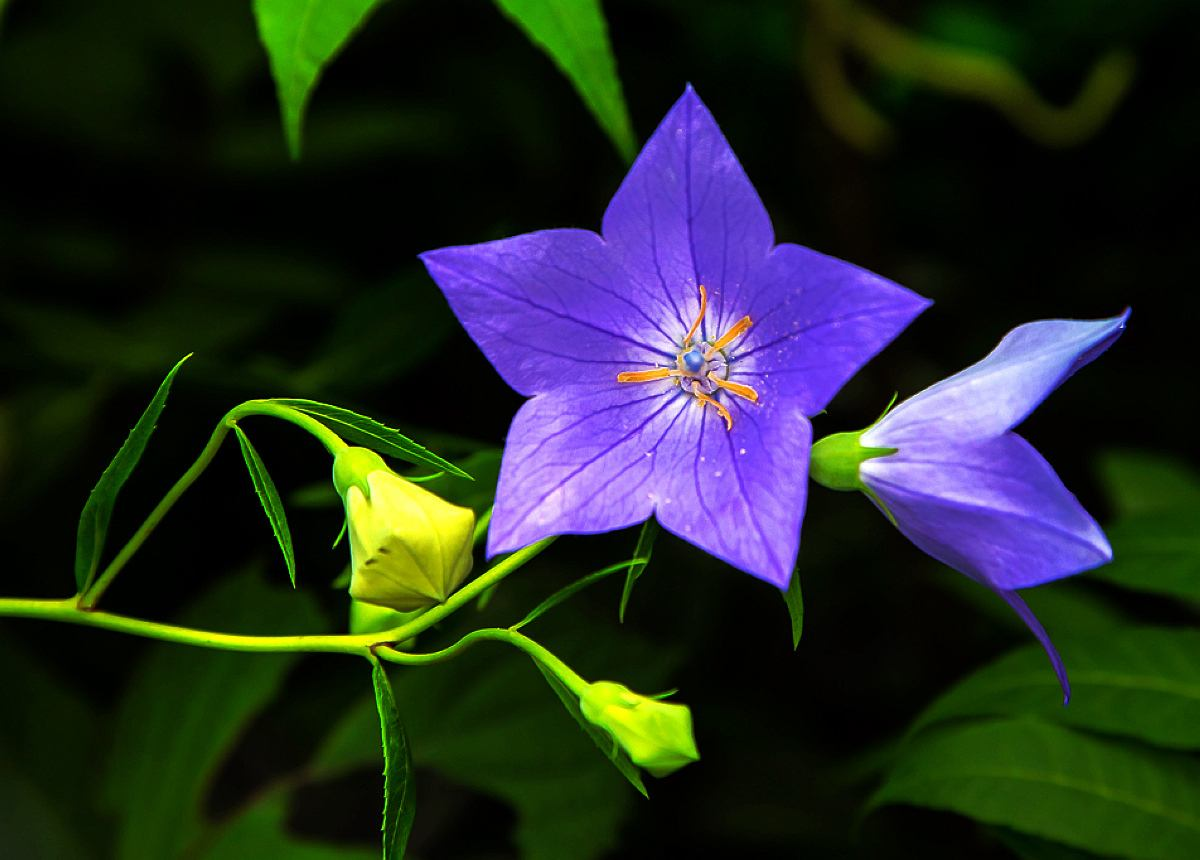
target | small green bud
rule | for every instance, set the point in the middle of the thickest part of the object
(409, 549)
(835, 460)
(656, 735)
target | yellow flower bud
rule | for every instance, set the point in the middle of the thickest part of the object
(409, 549)
(656, 735)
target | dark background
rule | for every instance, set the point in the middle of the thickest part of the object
(148, 209)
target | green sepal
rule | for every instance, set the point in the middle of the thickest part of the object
(351, 467)
(835, 460)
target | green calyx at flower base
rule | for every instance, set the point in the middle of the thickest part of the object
(656, 735)
(409, 549)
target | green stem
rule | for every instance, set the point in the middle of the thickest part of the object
(68, 612)
(332, 442)
(496, 634)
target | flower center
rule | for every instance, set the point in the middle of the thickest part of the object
(702, 368)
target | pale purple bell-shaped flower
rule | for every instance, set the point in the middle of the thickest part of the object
(973, 494)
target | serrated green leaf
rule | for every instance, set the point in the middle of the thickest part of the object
(1104, 796)
(361, 430)
(97, 510)
(301, 38)
(399, 799)
(643, 551)
(602, 739)
(575, 36)
(1142, 683)
(261, 831)
(571, 589)
(793, 597)
(272, 505)
(183, 710)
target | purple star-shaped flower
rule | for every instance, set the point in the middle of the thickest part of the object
(973, 494)
(672, 362)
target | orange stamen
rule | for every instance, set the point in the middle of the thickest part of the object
(699, 318)
(734, 387)
(729, 337)
(702, 399)
(647, 375)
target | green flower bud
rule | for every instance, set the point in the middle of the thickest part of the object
(409, 549)
(656, 735)
(835, 460)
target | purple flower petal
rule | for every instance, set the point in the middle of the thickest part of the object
(740, 494)
(817, 320)
(687, 215)
(997, 393)
(548, 308)
(1026, 614)
(992, 509)
(706, 429)
(582, 460)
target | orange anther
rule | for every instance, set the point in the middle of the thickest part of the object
(647, 375)
(729, 337)
(734, 387)
(704, 399)
(699, 318)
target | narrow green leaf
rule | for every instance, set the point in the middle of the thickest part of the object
(794, 598)
(369, 433)
(1104, 796)
(575, 36)
(301, 38)
(184, 709)
(1143, 683)
(271, 503)
(399, 799)
(602, 739)
(97, 511)
(571, 589)
(641, 555)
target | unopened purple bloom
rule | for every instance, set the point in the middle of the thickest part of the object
(671, 362)
(973, 494)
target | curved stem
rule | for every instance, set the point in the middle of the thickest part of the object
(467, 593)
(332, 442)
(565, 673)
(67, 611)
